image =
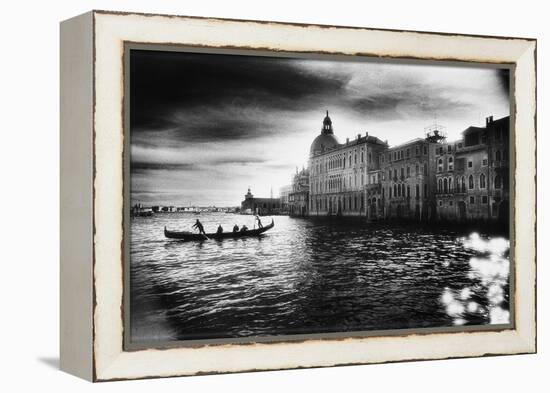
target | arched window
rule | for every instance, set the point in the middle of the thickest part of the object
(482, 181)
(450, 184)
(498, 181)
(463, 184)
(445, 186)
(471, 182)
(439, 185)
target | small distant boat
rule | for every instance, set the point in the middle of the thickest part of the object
(143, 213)
(187, 236)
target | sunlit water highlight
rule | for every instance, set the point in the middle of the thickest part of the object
(311, 276)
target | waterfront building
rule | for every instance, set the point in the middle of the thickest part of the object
(407, 181)
(299, 194)
(477, 186)
(338, 172)
(423, 179)
(284, 195)
(261, 206)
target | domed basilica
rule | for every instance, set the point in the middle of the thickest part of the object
(326, 140)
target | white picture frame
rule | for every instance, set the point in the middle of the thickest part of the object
(92, 194)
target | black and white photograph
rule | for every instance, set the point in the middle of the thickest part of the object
(280, 195)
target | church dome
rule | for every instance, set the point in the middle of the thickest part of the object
(323, 142)
(326, 140)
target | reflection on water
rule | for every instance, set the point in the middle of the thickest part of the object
(311, 276)
(487, 297)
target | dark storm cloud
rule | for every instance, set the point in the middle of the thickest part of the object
(137, 166)
(171, 90)
(410, 98)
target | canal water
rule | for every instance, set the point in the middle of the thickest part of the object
(311, 276)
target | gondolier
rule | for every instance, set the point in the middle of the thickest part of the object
(199, 227)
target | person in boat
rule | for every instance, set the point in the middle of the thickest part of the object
(235, 228)
(259, 221)
(220, 230)
(244, 228)
(199, 227)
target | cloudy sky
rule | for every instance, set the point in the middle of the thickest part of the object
(204, 127)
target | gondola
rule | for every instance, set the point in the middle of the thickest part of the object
(187, 236)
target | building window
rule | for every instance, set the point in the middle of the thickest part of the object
(425, 149)
(450, 203)
(416, 150)
(498, 182)
(439, 185)
(472, 200)
(484, 161)
(463, 184)
(470, 164)
(425, 190)
(416, 169)
(445, 186)
(370, 158)
(408, 153)
(497, 155)
(484, 199)
(425, 169)
(408, 172)
(440, 203)
(440, 165)
(408, 191)
(417, 191)
(482, 181)
(450, 163)
(471, 182)
(449, 149)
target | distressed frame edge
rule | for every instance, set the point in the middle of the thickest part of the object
(528, 339)
(76, 196)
